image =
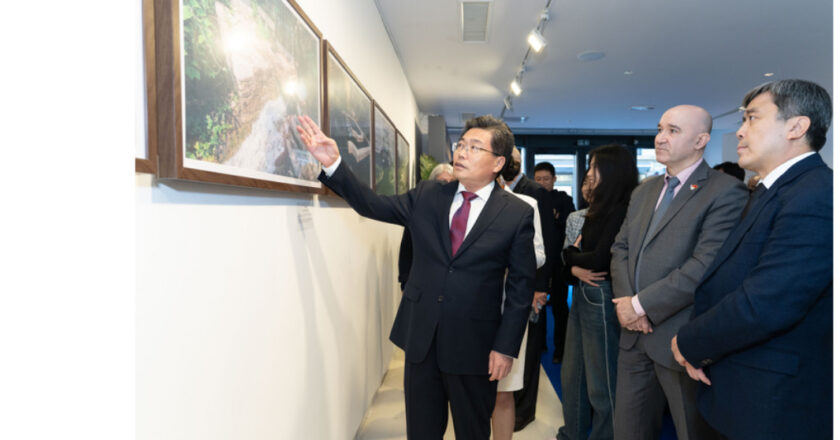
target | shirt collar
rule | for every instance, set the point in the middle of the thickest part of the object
(483, 193)
(684, 174)
(777, 172)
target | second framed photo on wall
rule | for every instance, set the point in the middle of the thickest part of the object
(384, 156)
(349, 116)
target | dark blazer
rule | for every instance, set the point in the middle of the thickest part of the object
(533, 189)
(456, 298)
(762, 318)
(561, 206)
(676, 254)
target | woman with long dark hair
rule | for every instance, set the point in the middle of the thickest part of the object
(591, 347)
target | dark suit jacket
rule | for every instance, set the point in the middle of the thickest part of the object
(404, 259)
(561, 206)
(762, 315)
(677, 253)
(456, 298)
(530, 188)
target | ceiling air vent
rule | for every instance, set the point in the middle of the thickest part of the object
(474, 18)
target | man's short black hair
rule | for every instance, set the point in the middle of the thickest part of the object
(797, 97)
(545, 166)
(732, 169)
(502, 138)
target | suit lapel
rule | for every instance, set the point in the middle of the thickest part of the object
(444, 204)
(746, 223)
(648, 205)
(494, 205)
(687, 191)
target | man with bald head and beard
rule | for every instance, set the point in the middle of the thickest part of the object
(674, 227)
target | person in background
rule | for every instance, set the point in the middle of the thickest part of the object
(760, 338)
(504, 413)
(526, 398)
(732, 169)
(561, 205)
(575, 220)
(674, 226)
(752, 182)
(589, 361)
(443, 174)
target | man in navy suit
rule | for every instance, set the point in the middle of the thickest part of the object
(457, 342)
(760, 337)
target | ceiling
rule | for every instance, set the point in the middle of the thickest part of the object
(707, 53)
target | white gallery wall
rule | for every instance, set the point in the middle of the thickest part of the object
(265, 315)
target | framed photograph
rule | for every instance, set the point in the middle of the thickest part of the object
(145, 158)
(232, 78)
(403, 165)
(348, 115)
(384, 155)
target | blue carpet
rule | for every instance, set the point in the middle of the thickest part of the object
(553, 372)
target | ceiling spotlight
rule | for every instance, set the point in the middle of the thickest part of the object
(628, 72)
(515, 87)
(768, 74)
(536, 40)
(508, 103)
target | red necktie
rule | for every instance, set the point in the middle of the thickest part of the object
(459, 222)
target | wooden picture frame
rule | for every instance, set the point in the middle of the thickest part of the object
(384, 152)
(231, 79)
(403, 164)
(348, 117)
(146, 161)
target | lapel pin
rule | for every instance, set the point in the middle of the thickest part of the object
(692, 187)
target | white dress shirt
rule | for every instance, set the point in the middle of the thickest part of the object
(777, 172)
(476, 205)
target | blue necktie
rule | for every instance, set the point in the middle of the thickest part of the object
(671, 183)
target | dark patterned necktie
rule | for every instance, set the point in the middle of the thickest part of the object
(757, 192)
(459, 221)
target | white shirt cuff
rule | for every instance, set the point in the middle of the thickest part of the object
(637, 306)
(331, 169)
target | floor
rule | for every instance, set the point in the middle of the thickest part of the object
(385, 419)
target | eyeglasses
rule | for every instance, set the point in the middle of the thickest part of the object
(471, 149)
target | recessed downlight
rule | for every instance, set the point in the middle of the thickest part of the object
(768, 74)
(641, 108)
(590, 55)
(628, 72)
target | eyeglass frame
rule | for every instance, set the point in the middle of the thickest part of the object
(471, 149)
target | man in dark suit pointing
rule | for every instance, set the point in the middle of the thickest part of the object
(457, 342)
(760, 338)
